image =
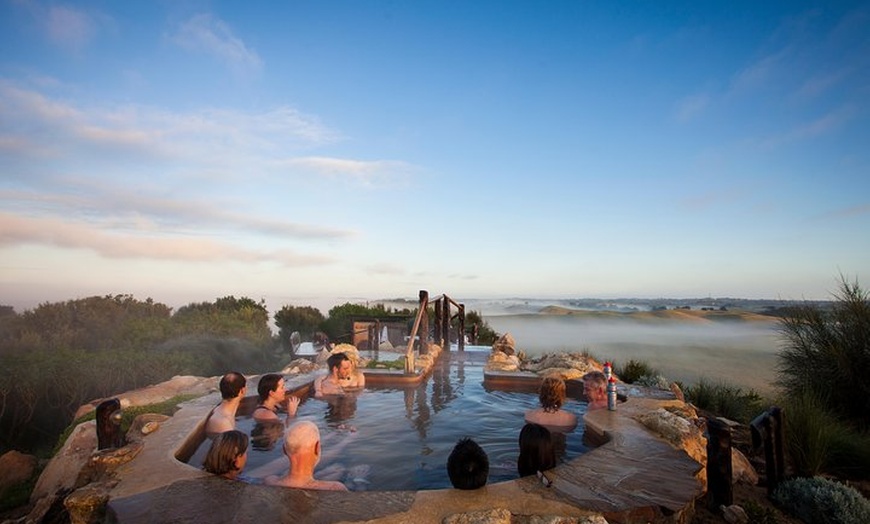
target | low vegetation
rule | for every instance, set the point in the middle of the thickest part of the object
(822, 501)
(725, 400)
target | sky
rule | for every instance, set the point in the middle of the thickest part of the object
(307, 152)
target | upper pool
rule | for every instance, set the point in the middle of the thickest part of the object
(399, 438)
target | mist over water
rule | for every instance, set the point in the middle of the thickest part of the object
(739, 353)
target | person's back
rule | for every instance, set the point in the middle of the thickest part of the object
(467, 465)
(552, 395)
(223, 417)
(302, 447)
(537, 452)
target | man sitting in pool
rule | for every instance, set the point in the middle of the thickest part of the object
(223, 416)
(595, 390)
(272, 395)
(340, 377)
(302, 447)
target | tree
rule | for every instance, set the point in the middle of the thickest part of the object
(304, 319)
(485, 334)
(827, 354)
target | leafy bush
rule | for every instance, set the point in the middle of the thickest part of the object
(725, 400)
(633, 371)
(818, 442)
(486, 336)
(653, 381)
(822, 501)
(759, 514)
(828, 354)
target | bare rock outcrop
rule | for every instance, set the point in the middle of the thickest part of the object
(15, 468)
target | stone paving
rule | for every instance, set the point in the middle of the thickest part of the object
(633, 476)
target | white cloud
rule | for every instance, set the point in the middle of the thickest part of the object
(827, 123)
(691, 107)
(203, 134)
(211, 35)
(69, 234)
(364, 171)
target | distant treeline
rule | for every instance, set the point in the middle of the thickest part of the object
(58, 356)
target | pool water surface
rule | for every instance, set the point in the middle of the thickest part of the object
(399, 438)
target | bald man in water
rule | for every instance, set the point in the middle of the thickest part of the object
(302, 447)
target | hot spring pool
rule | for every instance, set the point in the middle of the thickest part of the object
(399, 438)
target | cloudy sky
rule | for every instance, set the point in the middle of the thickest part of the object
(303, 151)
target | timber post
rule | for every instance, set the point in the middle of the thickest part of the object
(445, 322)
(424, 323)
(438, 319)
(461, 334)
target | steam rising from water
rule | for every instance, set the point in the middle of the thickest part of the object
(740, 353)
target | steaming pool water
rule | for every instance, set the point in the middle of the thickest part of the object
(399, 438)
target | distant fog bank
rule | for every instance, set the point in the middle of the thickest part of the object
(740, 353)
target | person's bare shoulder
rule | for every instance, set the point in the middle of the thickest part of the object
(330, 485)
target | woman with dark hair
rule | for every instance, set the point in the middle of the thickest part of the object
(537, 452)
(552, 396)
(227, 455)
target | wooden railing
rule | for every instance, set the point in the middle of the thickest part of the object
(442, 327)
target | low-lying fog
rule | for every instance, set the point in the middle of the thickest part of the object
(740, 353)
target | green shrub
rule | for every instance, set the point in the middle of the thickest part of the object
(653, 381)
(725, 400)
(399, 363)
(759, 514)
(633, 370)
(818, 442)
(828, 354)
(822, 501)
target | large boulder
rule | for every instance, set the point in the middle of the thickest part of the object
(15, 468)
(679, 428)
(568, 365)
(63, 469)
(505, 344)
(177, 385)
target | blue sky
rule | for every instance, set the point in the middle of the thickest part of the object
(305, 151)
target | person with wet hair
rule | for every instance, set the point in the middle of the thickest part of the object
(341, 376)
(227, 455)
(233, 387)
(272, 395)
(552, 396)
(467, 465)
(595, 390)
(537, 452)
(302, 447)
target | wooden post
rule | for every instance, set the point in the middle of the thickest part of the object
(377, 338)
(778, 442)
(475, 332)
(424, 322)
(719, 468)
(461, 342)
(439, 334)
(445, 322)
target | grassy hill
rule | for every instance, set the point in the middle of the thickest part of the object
(668, 315)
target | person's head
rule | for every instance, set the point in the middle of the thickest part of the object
(552, 393)
(302, 438)
(269, 384)
(467, 465)
(340, 366)
(232, 385)
(228, 454)
(595, 386)
(537, 452)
